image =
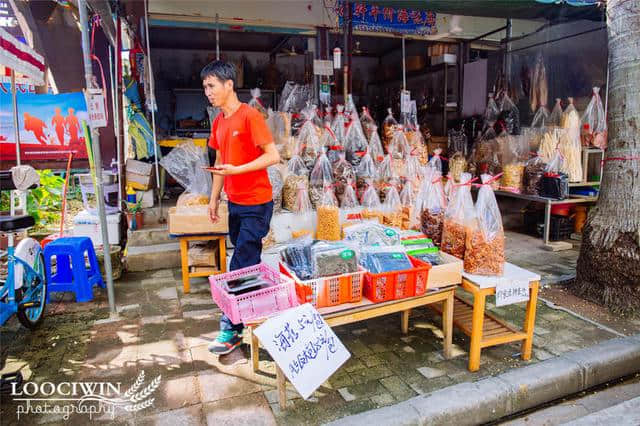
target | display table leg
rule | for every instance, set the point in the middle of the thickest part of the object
(255, 350)
(530, 321)
(184, 259)
(222, 249)
(447, 325)
(281, 383)
(404, 321)
(477, 325)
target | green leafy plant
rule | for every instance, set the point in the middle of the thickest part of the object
(44, 202)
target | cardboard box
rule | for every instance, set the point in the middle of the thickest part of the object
(140, 175)
(448, 273)
(195, 220)
(204, 253)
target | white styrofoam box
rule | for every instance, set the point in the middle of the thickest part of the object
(87, 225)
(448, 58)
(147, 198)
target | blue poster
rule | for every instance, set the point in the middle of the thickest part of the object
(49, 125)
(373, 18)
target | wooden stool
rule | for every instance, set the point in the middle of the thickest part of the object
(184, 256)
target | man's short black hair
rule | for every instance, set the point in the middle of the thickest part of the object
(223, 71)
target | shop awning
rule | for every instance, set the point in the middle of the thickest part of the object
(21, 58)
(551, 10)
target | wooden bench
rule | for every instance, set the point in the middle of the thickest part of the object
(487, 330)
(184, 240)
(354, 312)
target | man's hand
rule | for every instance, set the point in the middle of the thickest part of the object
(226, 170)
(213, 210)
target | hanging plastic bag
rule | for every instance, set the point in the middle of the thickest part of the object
(389, 125)
(338, 126)
(594, 122)
(533, 172)
(309, 138)
(413, 172)
(321, 177)
(375, 146)
(430, 208)
(343, 175)
(570, 145)
(541, 118)
(368, 123)
(407, 200)
(436, 161)
(297, 173)
(304, 211)
(399, 147)
(328, 116)
(509, 116)
(366, 172)
(492, 111)
(458, 214)
(555, 184)
(513, 151)
(457, 165)
(555, 118)
(256, 103)
(371, 203)
(356, 143)
(349, 198)
(484, 250)
(456, 142)
(387, 177)
(328, 217)
(392, 209)
(185, 163)
(277, 184)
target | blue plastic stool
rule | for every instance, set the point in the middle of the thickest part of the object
(72, 276)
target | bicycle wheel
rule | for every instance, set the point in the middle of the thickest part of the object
(31, 311)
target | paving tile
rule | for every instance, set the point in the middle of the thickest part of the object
(371, 360)
(188, 416)
(430, 373)
(357, 347)
(398, 388)
(362, 390)
(542, 355)
(217, 386)
(372, 373)
(424, 386)
(383, 399)
(243, 410)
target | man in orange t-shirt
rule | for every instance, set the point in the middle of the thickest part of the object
(244, 149)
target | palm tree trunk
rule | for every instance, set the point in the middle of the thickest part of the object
(609, 264)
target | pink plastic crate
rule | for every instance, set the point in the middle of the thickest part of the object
(256, 304)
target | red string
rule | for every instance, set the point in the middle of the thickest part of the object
(490, 181)
(94, 24)
(618, 159)
(467, 183)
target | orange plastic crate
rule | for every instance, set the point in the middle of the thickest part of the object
(328, 291)
(397, 284)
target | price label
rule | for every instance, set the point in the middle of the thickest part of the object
(96, 107)
(511, 291)
(405, 101)
(321, 67)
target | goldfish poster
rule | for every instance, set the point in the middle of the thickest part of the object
(50, 126)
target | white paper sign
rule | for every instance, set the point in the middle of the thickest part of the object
(96, 107)
(321, 67)
(511, 291)
(305, 348)
(405, 101)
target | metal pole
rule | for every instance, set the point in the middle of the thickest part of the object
(16, 126)
(404, 67)
(507, 62)
(95, 136)
(153, 102)
(121, 164)
(116, 124)
(345, 53)
(217, 37)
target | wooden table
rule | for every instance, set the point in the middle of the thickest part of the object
(487, 330)
(354, 312)
(184, 256)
